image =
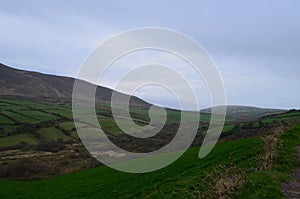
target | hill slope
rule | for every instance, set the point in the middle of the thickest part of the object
(179, 180)
(34, 85)
(104, 182)
(247, 112)
(38, 86)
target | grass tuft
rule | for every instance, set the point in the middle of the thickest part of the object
(222, 183)
(271, 142)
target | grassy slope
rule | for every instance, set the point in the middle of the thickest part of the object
(181, 176)
(104, 182)
(286, 117)
(20, 112)
(266, 184)
(16, 139)
(177, 180)
(52, 133)
(5, 120)
(247, 111)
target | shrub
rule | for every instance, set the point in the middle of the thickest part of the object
(22, 169)
(51, 146)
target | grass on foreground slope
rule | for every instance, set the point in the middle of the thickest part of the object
(266, 184)
(179, 180)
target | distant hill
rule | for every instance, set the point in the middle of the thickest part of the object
(38, 86)
(247, 112)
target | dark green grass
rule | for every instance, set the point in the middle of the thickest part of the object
(5, 120)
(2, 105)
(19, 118)
(9, 128)
(24, 103)
(68, 126)
(228, 127)
(53, 133)
(16, 139)
(36, 108)
(177, 180)
(64, 112)
(38, 115)
(287, 117)
(266, 184)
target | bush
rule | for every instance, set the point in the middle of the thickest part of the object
(51, 146)
(22, 169)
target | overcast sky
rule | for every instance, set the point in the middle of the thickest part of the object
(255, 44)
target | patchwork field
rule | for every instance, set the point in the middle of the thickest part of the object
(54, 120)
(39, 141)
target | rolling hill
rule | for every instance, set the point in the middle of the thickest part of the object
(246, 112)
(43, 87)
(38, 141)
(33, 85)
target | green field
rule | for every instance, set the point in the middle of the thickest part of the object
(64, 112)
(267, 184)
(16, 139)
(34, 123)
(178, 180)
(21, 116)
(288, 117)
(5, 120)
(7, 129)
(228, 127)
(52, 133)
(68, 126)
(104, 182)
(38, 115)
